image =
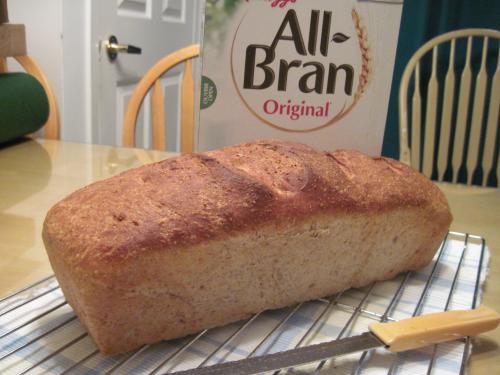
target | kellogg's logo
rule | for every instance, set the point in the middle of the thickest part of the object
(300, 68)
(280, 3)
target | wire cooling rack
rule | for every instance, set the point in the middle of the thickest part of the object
(39, 332)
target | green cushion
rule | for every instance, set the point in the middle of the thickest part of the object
(24, 107)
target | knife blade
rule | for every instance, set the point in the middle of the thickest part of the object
(290, 358)
(398, 336)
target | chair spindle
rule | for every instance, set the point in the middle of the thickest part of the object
(416, 120)
(449, 92)
(492, 124)
(430, 117)
(158, 116)
(187, 109)
(463, 111)
(477, 115)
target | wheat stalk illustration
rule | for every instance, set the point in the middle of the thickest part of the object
(364, 46)
(366, 65)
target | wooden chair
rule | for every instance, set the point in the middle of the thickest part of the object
(430, 135)
(152, 80)
(13, 45)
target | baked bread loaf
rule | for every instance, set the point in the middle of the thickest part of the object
(202, 240)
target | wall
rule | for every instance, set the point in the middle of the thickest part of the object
(57, 34)
(76, 62)
(43, 22)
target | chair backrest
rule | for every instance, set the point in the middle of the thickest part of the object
(430, 151)
(51, 128)
(15, 47)
(152, 80)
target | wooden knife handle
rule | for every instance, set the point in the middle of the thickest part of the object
(434, 328)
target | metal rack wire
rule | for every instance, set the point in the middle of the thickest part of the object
(40, 333)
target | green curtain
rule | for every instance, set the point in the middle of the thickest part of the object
(422, 20)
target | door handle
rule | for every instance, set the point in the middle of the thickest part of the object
(113, 48)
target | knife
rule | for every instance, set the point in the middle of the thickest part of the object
(397, 336)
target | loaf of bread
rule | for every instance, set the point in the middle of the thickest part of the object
(202, 240)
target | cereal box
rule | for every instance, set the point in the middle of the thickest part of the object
(313, 71)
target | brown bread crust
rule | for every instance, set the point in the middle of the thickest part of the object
(193, 198)
(97, 235)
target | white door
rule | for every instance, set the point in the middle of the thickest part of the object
(158, 27)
